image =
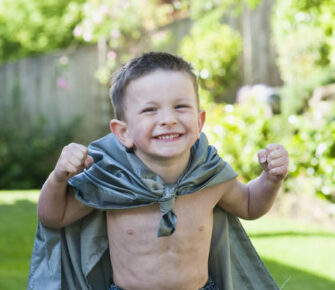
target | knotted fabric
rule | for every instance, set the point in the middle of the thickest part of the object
(118, 179)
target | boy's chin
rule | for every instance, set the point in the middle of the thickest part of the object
(170, 155)
(163, 155)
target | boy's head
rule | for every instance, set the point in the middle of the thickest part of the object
(140, 66)
(156, 107)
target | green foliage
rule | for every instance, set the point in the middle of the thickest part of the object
(214, 49)
(304, 33)
(239, 131)
(35, 26)
(29, 153)
(312, 148)
(296, 94)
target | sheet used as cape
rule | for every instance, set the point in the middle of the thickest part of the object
(77, 256)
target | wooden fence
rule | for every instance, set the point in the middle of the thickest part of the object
(62, 85)
(59, 86)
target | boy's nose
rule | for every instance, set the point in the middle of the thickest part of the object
(167, 118)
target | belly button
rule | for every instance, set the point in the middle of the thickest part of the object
(130, 232)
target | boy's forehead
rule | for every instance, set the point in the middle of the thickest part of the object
(160, 74)
(158, 80)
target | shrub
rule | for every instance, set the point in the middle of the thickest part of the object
(29, 153)
(214, 49)
(312, 147)
(304, 39)
(239, 131)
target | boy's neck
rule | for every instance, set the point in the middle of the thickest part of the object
(168, 169)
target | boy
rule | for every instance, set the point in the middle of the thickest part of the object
(157, 173)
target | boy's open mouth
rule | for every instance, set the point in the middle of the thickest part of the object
(168, 136)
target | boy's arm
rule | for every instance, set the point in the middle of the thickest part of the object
(252, 200)
(57, 206)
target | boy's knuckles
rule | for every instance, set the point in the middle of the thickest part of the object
(270, 147)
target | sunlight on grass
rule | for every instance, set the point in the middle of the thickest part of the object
(12, 196)
(300, 247)
(17, 230)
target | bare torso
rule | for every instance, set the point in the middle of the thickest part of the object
(141, 260)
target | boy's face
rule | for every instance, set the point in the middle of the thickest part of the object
(162, 118)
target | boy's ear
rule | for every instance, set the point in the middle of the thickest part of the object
(201, 119)
(120, 130)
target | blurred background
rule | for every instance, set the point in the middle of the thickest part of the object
(266, 75)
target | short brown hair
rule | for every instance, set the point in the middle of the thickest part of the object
(138, 67)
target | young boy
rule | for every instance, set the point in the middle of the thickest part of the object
(156, 174)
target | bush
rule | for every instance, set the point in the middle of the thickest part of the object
(304, 38)
(214, 49)
(239, 131)
(29, 153)
(312, 147)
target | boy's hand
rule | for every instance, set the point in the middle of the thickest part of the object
(73, 159)
(274, 161)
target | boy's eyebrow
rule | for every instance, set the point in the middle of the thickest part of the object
(148, 103)
(183, 99)
(157, 103)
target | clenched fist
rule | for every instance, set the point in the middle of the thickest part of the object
(274, 161)
(73, 159)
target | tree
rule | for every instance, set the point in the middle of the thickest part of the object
(34, 26)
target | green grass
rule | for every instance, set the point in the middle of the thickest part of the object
(298, 256)
(18, 223)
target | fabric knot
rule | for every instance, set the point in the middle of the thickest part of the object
(170, 191)
(168, 220)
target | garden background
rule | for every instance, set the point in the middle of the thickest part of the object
(266, 75)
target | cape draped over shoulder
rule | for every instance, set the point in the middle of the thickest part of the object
(77, 256)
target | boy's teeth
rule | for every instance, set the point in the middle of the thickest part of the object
(165, 137)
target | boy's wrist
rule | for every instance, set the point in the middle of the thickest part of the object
(274, 179)
(56, 180)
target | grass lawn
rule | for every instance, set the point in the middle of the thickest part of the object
(17, 229)
(298, 256)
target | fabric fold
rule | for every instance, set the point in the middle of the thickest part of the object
(118, 179)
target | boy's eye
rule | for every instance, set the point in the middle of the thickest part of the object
(182, 106)
(149, 110)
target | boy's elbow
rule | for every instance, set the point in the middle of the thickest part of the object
(253, 216)
(256, 212)
(49, 222)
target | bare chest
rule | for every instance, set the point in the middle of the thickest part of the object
(140, 225)
(135, 247)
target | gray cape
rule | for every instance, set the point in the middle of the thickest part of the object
(77, 256)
